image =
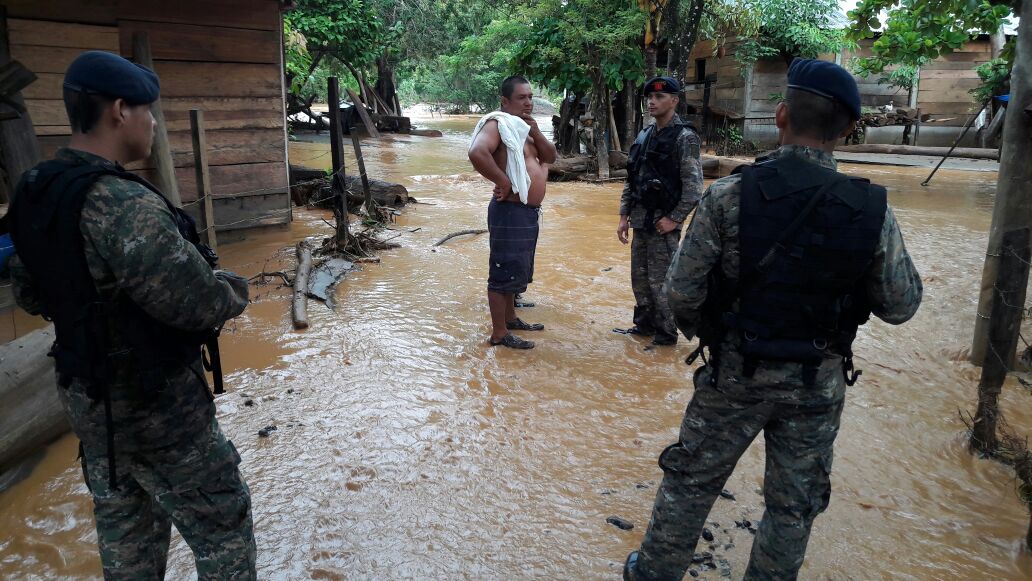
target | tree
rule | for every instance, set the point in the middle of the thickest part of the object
(348, 31)
(920, 30)
(787, 28)
(582, 46)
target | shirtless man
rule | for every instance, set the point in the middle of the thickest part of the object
(513, 225)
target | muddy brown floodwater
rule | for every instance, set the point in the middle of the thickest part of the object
(406, 448)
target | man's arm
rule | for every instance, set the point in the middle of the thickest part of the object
(686, 281)
(547, 153)
(894, 286)
(481, 155)
(625, 212)
(689, 146)
(136, 236)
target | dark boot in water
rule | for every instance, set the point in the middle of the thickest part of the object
(629, 565)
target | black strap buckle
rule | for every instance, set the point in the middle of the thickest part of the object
(848, 371)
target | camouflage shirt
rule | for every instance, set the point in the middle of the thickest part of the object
(893, 285)
(132, 245)
(688, 147)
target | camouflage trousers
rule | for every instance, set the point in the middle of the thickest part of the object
(173, 466)
(715, 432)
(651, 255)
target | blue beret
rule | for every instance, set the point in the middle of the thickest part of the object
(828, 80)
(103, 73)
(662, 85)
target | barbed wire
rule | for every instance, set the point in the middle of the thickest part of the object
(270, 214)
(272, 190)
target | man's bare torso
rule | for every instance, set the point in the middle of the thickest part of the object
(538, 171)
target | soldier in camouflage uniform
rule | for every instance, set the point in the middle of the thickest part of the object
(664, 183)
(780, 265)
(153, 452)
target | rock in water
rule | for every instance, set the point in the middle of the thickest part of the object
(620, 523)
(726, 494)
(707, 535)
(264, 432)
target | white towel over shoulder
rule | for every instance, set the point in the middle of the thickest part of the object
(514, 132)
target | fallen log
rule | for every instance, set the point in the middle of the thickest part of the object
(426, 132)
(567, 168)
(300, 302)
(460, 233)
(314, 185)
(31, 415)
(384, 193)
(960, 152)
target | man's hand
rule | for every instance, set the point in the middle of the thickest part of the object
(529, 119)
(665, 225)
(503, 190)
(621, 230)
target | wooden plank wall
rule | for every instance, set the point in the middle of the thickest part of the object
(221, 56)
(728, 92)
(944, 85)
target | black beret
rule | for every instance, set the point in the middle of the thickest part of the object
(826, 79)
(662, 85)
(102, 73)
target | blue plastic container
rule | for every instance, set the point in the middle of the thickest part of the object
(6, 251)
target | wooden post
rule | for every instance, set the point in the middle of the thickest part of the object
(1004, 324)
(369, 125)
(200, 151)
(370, 205)
(300, 303)
(337, 159)
(19, 148)
(706, 92)
(1013, 206)
(612, 122)
(161, 151)
(917, 126)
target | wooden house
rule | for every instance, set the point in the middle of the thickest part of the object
(747, 96)
(224, 57)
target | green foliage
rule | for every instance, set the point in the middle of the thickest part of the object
(731, 135)
(299, 60)
(570, 43)
(918, 31)
(995, 76)
(901, 76)
(348, 30)
(775, 97)
(781, 28)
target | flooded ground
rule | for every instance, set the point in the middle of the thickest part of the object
(407, 448)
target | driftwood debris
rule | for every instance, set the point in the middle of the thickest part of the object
(426, 132)
(30, 412)
(473, 232)
(300, 302)
(311, 186)
(960, 152)
(573, 167)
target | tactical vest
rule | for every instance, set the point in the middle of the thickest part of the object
(45, 226)
(801, 295)
(654, 168)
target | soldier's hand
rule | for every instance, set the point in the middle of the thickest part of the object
(665, 225)
(621, 230)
